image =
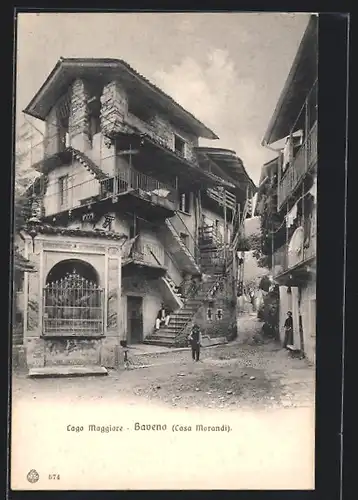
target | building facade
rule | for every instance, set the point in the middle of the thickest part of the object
(128, 213)
(292, 225)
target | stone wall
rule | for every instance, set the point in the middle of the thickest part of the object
(79, 122)
(49, 250)
(74, 351)
(114, 108)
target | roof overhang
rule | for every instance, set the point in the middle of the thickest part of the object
(231, 164)
(105, 70)
(299, 82)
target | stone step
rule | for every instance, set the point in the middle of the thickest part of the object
(160, 342)
(67, 371)
(162, 335)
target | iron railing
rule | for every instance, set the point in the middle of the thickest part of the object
(132, 180)
(73, 306)
(304, 160)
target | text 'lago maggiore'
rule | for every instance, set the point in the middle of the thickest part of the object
(137, 426)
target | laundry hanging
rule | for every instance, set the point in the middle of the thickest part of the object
(291, 216)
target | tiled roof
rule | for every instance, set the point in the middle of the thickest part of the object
(91, 233)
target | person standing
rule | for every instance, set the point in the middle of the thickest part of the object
(288, 326)
(195, 342)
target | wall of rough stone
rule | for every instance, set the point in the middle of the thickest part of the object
(79, 122)
(114, 108)
(75, 351)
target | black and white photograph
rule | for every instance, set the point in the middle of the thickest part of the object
(165, 222)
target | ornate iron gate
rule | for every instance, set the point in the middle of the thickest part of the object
(73, 306)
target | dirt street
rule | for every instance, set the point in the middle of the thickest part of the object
(232, 376)
(266, 400)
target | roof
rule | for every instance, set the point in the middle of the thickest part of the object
(230, 163)
(51, 162)
(299, 82)
(66, 231)
(67, 70)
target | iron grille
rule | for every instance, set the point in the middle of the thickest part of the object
(73, 306)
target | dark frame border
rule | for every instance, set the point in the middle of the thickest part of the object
(333, 58)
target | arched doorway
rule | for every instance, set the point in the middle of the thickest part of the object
(73, 300)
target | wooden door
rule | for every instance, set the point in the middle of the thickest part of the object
(134, 319)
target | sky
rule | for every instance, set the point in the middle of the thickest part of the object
(228, 69)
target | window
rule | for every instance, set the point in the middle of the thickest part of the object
(179, 145)
(63, 190)
(209, 314)
(184, 202)
(185, 238)
(219, 314)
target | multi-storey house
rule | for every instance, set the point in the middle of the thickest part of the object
(128, 213)
(292, 132)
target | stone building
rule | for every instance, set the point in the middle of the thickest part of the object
(128, 213)
(292, 132)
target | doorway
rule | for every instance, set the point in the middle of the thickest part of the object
(134, 319)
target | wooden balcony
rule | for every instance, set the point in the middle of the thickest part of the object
(223, 198)
(210, 236)
(302, 163)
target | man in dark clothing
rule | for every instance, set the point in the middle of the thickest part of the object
(195, 342)
(288, 326)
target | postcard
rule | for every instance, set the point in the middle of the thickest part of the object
(164, 318)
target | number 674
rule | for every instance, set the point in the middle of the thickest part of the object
(54, 476)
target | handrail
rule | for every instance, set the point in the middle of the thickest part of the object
(215, 285)
(195, 246)
(169, 222)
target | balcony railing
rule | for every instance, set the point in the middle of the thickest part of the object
(284, 259)
(223, 198)
(144, 186)
(304, 160)
(210, 234)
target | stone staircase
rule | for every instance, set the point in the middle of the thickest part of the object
(171, 335)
